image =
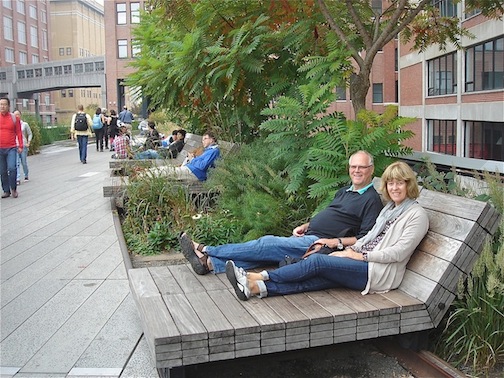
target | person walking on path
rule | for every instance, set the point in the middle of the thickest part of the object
(350, 215)
(23, 156)
(375, 263)
(113, 128)
(98, 129)
(80, 128)
(11, 143)
(126, 117)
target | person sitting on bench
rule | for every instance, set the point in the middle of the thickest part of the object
(350, 215)
(375, 263)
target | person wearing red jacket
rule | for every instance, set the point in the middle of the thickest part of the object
(11, 143)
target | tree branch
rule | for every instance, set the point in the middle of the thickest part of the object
(339, 32)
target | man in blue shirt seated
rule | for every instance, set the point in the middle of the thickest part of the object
(195, 167)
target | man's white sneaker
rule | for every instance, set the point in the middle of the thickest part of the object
(238, 279)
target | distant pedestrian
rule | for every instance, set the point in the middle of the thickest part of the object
(126, 117)
(113, 128)
(98, 129)
(106, 122)
(10, 133)
(81, 128)
(23, 156)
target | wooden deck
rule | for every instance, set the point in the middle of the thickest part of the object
(190, 319)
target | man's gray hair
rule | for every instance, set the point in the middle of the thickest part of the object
(371, 159)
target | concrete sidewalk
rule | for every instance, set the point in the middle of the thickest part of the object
(66, 308)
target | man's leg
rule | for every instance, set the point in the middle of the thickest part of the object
(24, 162)
(3, 170)
(12, 157)
(256, 253)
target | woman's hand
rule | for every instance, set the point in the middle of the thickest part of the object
(349, 253)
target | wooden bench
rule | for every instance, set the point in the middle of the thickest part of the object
(189, 319)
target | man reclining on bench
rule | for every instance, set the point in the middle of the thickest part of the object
(375, 263)
(351, 214)
(195, 167)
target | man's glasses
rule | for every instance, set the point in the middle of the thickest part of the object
(360, 167)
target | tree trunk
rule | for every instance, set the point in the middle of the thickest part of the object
(359, 87)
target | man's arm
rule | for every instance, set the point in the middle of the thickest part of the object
(300, 230)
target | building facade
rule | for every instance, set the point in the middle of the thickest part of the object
(122, 16)
(25, 36)
(77, 31)
(457, 96)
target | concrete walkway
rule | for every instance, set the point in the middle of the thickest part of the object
(66, 308)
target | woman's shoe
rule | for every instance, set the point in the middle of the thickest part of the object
(238, 279)
(199, 264)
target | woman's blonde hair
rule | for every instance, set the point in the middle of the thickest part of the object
(403, 172)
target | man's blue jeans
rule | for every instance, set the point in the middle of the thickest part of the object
(317, 272)
(22, 160)
(82, 140)
(8, 168)
(260, 252)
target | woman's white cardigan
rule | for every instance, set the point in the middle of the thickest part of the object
(387, 261)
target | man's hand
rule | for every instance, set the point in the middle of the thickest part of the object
(300, 230)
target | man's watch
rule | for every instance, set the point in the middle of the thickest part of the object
(340, 245)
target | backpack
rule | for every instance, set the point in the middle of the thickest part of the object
(80, 123)
(97, 124)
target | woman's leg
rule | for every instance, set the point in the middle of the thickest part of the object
(24, 162)
(318, 272)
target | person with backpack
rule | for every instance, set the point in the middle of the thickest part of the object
(80, 128)
(10, 132)
(98, 129)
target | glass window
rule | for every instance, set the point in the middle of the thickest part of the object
(483, 140)
(29, 73)
(21, 74)
(67, 69)
(38, 72)
(135, 13)
(20, 6)
(61, 51)
(100, 66)
(442, 75)
(3, 76)
(442, 136)
(447, 8)
(47, 100)
(79, 68)
(70, 93)
(121, 13)
(376, 5)
(122, 48)
(58, 70)
(43, 16)
(23, 57)
(44, 40)
(7, 4)
(135, 49)
(63, 93)
(21, 27)
(34, 36)
(69, 51)
(33, 12)
(48, 71)
(88, 67)
(8, 29)
(340, 93)
(35, 58)
(9, 55)
(377, 93)
(485, 66)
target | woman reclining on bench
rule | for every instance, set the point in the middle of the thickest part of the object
(375, 263)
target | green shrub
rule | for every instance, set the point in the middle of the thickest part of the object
(157, 210)
(252, 186)
(52, 134)
(216, 228)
